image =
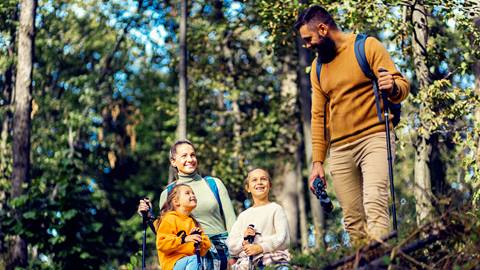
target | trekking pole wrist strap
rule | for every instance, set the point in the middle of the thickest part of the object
(394, 92)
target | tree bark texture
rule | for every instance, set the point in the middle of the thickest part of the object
(305, 103)
(182, 73)
(21, 121)
(476, 69)
(422, 175)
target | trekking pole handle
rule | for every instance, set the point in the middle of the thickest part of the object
(250, 238)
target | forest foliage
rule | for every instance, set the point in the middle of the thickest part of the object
(104, 114)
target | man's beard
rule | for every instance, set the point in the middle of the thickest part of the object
(326, 50)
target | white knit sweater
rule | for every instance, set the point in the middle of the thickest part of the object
(269, 220)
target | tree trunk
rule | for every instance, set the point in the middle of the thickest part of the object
(22, 122)
(5, 151)
(7, 93)
(306, 108)
(229, 54)
(289, 169)
(302, 208)
(237, 134)
(286, 194)
(422, 188)
(182, 74)
(477, 111)
(437, 167)
(476, 70)
(182, 78)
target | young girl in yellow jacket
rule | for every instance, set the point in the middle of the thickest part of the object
(180, 240)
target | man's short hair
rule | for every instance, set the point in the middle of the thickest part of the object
(316, 14)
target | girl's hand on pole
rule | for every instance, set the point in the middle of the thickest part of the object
(195, 238)
(252, 249)
(250, 231)
(195, 230)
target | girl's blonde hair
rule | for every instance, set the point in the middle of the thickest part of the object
(245, 182)
(168, 205)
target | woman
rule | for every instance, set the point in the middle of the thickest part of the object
(214, 209)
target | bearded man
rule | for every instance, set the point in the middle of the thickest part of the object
(345, 121)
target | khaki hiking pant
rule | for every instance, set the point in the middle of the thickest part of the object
(360, 179)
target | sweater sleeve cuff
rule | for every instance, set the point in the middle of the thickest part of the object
(317, 156)
(188, 248)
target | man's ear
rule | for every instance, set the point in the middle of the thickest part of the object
(322, 29)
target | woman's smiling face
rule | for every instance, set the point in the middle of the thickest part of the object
(185, 159)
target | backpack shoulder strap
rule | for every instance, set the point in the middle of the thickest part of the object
(213, 186)
(360, 54)
(318, 69)
(170, 187)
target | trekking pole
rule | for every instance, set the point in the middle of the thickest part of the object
(197, 251)
(250, 240)
(144, 242)
(389, 155)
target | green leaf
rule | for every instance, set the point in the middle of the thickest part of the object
(30, 214)
(386, 260)
(69, 214)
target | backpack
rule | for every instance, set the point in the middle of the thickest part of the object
(359, 48)
(213, 187)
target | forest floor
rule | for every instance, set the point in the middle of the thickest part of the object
(449, 241)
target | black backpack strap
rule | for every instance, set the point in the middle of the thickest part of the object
(319, 69)
(359, 49)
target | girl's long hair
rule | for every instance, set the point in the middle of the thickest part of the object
(168, 205)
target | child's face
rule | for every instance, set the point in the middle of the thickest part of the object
(185, 159)
(258, 184)
(186, 198)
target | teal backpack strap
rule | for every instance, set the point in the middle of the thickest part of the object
(170, 187)
(213, 186)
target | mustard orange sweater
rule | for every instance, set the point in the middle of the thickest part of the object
(169, 246)
(351, 112)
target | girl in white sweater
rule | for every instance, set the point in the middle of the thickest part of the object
(260, 236)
